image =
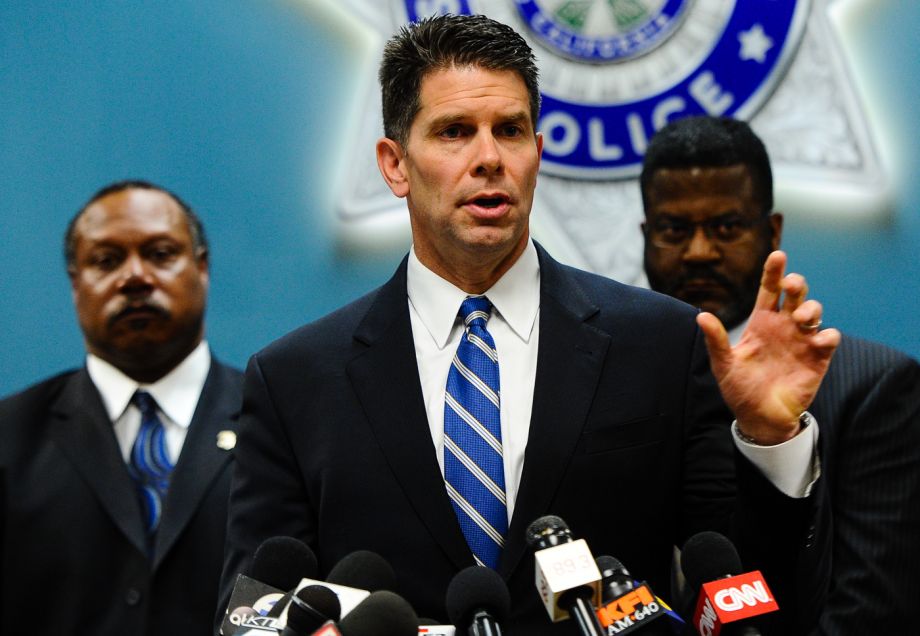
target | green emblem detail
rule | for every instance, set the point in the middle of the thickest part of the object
(627, 13)
(574, 13)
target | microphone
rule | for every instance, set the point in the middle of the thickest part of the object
(727, 599)
(478, 601)
(431, 627)
(282, 561)
(309, 609)
(615, 578)
(383, 613)
(354, 577)
(259, 595)
(567, 577)
(629, 607)
(364, 570)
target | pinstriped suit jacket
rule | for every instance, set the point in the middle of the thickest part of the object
(869, 411)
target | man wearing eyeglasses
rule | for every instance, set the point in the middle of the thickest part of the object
(709, 225)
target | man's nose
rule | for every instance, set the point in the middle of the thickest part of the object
(135, 275)
(488, 155)
(701, 248)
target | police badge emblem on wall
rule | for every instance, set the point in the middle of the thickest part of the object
(615, 71)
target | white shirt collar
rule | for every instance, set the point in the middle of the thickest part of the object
(176, 393)
(516, 296)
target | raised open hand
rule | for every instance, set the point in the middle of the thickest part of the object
(772, 375)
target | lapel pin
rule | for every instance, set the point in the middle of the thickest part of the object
(226, 440)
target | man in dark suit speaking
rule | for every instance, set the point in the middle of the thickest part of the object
(709, 225)
(486, 385)
(118, 473)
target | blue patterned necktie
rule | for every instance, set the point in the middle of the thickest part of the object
(473, 466)
(150, 465)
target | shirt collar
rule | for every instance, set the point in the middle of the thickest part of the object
(516, 296)
(176, 393)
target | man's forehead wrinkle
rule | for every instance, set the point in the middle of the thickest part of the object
(458, 97)
(496, 84)
(111, 230)
(682, 205)
(732, 171)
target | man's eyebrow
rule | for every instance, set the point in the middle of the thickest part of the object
(446, 120)
(458, 118)
(517, 117)
(681, 215)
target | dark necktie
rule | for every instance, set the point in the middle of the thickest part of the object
(473, 466)
(150, 465)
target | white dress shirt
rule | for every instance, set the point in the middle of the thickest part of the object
(176, 395)
(514, 324)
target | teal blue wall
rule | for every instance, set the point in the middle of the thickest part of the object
(237, 105)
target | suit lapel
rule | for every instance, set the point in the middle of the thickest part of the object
(201, 460)
(569, 362)
(84, 433)
(397, 416)
(398, 419)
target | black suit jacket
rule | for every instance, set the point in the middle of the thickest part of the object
(628, 442)
(868, 408)
(73, 558)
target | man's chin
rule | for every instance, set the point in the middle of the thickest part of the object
(492, 241)
(713, 301)
(141, 337)
(730, 315)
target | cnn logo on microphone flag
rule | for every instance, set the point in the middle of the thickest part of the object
(732, 599)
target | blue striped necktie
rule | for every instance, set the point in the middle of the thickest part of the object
(473, 466)
(150, 465)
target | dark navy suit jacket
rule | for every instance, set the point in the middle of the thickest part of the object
(74, 552)
(629, 443)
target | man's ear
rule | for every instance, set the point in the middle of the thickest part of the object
(203, 261)
(776, 224)
(391, 162)
(72, 277)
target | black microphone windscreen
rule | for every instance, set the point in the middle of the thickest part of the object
(383, 613)
(315, 605)
(282, 561)
(364, 570)
(547, 531)
(615, 578)
(610, 566)
(477, 588)
(708, 556)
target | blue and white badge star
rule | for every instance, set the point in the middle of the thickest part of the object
(754, 44)
(615, 71)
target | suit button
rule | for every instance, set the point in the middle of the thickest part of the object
(132, 596)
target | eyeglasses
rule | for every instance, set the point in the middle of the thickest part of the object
(670, 232)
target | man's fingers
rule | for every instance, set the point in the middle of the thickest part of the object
(807, 316)
(795, 289)
(716, 337)
(826, 339)
(771, 281)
